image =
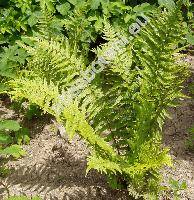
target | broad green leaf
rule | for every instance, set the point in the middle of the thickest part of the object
(4, 171)
(73, 2)
(26, 40)
(15, 150)
(174, 184)
(9, 124)
(144, 7)
(21, 56)
(95, 4)
(190, 39)
(169, 4)
(7, 54)
(7, 72)
(3, 87)
(184, 185)
(47, 4)
(32, 20)
(5, 138)
(63, 8)
(22, 136)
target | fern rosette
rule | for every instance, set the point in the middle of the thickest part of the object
(121, 111)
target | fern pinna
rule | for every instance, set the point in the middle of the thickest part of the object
(121, 112)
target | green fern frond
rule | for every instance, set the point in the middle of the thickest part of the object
(53, 60)
(75, 121)
(37, 91)
(44, 95)
(47, 5)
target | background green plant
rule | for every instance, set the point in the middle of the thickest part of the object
(11, 137)
(174, 189)
(8, 138)
(77, 19)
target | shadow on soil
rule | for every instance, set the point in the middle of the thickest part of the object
(60, 171)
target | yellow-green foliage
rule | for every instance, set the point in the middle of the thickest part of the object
(55, 61)
(121, 112)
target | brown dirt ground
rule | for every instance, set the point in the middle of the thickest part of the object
(175, 137)
(55, 168)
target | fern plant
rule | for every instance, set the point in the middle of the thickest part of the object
(121, 112)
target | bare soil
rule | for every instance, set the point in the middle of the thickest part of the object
(175, 137)
(55, 168)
